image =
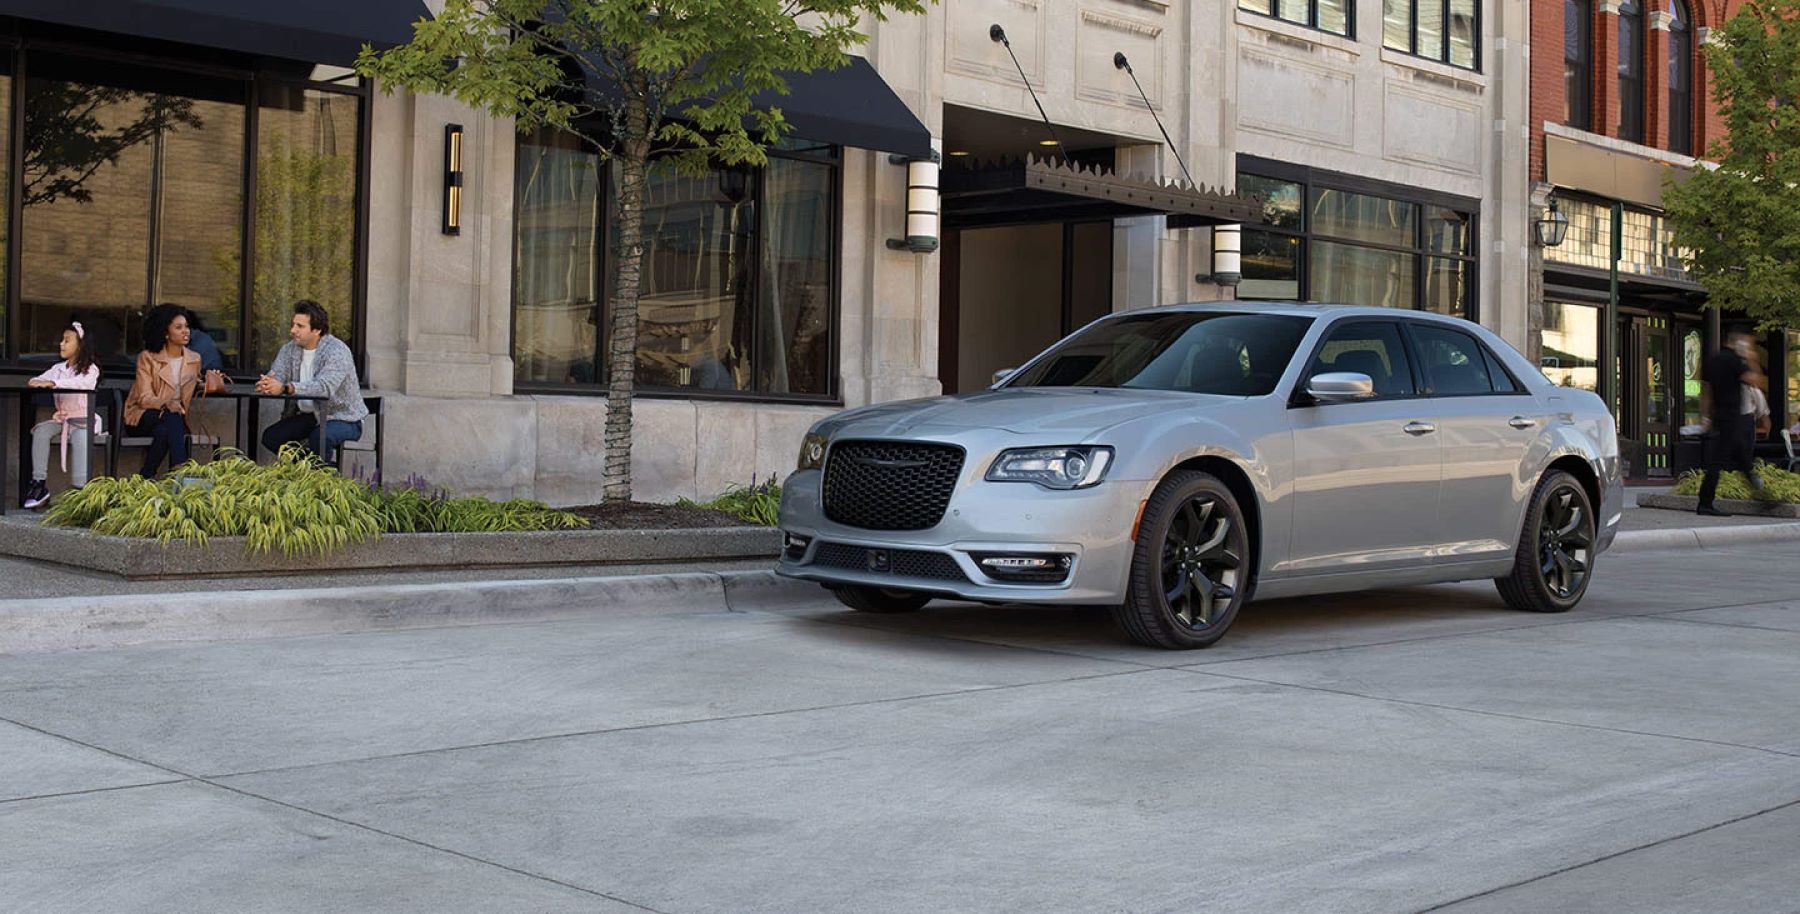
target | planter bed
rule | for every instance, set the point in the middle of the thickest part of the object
(25, 537)
(1731, 505)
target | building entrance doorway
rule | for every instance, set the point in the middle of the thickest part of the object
(1008, 292)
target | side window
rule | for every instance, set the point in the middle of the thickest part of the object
(1503, 382)
(1454, 363)
(1367, 347)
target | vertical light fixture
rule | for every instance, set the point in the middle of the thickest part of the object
(921, 204)
(1227, 254)
(453, 178)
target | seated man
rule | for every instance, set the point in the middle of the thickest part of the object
(314, 364)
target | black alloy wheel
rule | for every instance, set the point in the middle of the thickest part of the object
(1190, 571)
(1555, 556)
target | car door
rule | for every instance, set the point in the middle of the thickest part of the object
(1366, 472)
(1487, 423)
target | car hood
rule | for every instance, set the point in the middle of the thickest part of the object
(1074, 412)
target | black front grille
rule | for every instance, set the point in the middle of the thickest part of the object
(890, 485)
(905, 563)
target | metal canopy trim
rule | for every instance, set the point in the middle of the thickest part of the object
(316, 31)
(1039, 190)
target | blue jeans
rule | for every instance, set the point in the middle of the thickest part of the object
(304, 428)
(167, 432)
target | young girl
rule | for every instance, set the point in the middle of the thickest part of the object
(76, 371)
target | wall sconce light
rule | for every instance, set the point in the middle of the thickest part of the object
(1227, 255)
(453, 178)
(921, 204)
(1551, 227)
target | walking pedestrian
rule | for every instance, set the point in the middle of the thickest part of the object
(1729, 416)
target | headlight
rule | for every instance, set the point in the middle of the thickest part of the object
(1052, 467)
(812, 452)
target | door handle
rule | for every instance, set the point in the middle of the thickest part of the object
(1521, 422)
(1419, 428)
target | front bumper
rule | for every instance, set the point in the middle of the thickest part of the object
(1093, 526)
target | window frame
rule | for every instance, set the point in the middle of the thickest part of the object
(248, 76)
(1312, 15)
(1299, 398)
(1490, 361)
(1681, 59)
(1443, 54)
(1579, 106)
(1310, 179)
(833, 396)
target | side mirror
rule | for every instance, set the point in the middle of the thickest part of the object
(1004, 373)
(1340, 386)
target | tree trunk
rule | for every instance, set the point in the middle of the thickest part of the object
(621, 349)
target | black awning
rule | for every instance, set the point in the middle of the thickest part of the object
(1035, 190)
(849, 106)
(314, 31)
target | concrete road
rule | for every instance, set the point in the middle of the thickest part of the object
(1410, 750)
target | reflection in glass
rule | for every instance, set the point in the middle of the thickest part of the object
(95, 161)
(1360, 217)
(1462, 33)
(199, 190)
(556, 296)
(1681, 64)
(1571, 350)
(1577, 47)
(1656, 369)
(305, 213)
(1334, 16)
(1396, 24)
(794, 320)
(1793, 378)
(1430, 29)
(1446, 286)
(1291, 10)
(1446, 230)
(1631, 71)
(1281, 199)
(694, 310)
(1271, 265)
(1265, 7)
(1346, 274)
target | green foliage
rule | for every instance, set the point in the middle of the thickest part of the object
(1741, 221)
(1780, 485)
(757, 504)
(296, 505)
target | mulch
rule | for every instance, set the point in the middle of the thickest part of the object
(643, 515)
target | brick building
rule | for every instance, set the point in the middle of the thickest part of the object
(1620, 101)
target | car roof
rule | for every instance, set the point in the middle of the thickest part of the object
(1298, 309)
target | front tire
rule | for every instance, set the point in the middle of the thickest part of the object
(1190, 570)
(879, 599)
(1555, 558)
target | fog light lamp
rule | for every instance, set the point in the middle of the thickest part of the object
(794, 545)
(1026, 568)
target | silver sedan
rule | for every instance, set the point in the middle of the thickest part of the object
(1176, 462)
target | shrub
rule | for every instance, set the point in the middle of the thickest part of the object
(1781, 485)
(757, 504)
(296, 505)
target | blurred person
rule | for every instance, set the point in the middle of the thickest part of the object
(1730, 416)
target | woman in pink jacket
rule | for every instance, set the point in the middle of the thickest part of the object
(76, 371)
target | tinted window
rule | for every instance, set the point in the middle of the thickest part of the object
(1454, 363)
(1367, 347)
(1503, 382)
(1213, 353)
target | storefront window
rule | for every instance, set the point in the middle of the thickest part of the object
(556, 277)
(1367, 246)
(1792, 415)
(1571, 352)
(737, 289)
(132, 196)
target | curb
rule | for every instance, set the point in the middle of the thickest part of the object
(49, 624)
(1704, 537)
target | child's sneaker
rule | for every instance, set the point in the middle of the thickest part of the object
(36, 494)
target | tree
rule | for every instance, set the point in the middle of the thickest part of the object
(1740, 222)
(72, 129)
(635, 79)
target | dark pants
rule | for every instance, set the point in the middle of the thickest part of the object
(167, 432)
(304, 428)
(1728, 447)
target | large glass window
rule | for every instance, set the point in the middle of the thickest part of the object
(1681, 79)
(1578, 63)
(1631, 71)
(1335, 16)
(737, 292)
(1320, 242)
(1793, 379)
(1571, 350)
(133, 195)
(1443, 30)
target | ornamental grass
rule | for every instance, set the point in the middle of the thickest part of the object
(296, 505)
(1779, 485)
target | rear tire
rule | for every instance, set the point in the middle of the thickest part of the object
(1190, 569)
(879, 599)
(1555, 558)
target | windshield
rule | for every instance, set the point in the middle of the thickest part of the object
(1209, 352)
